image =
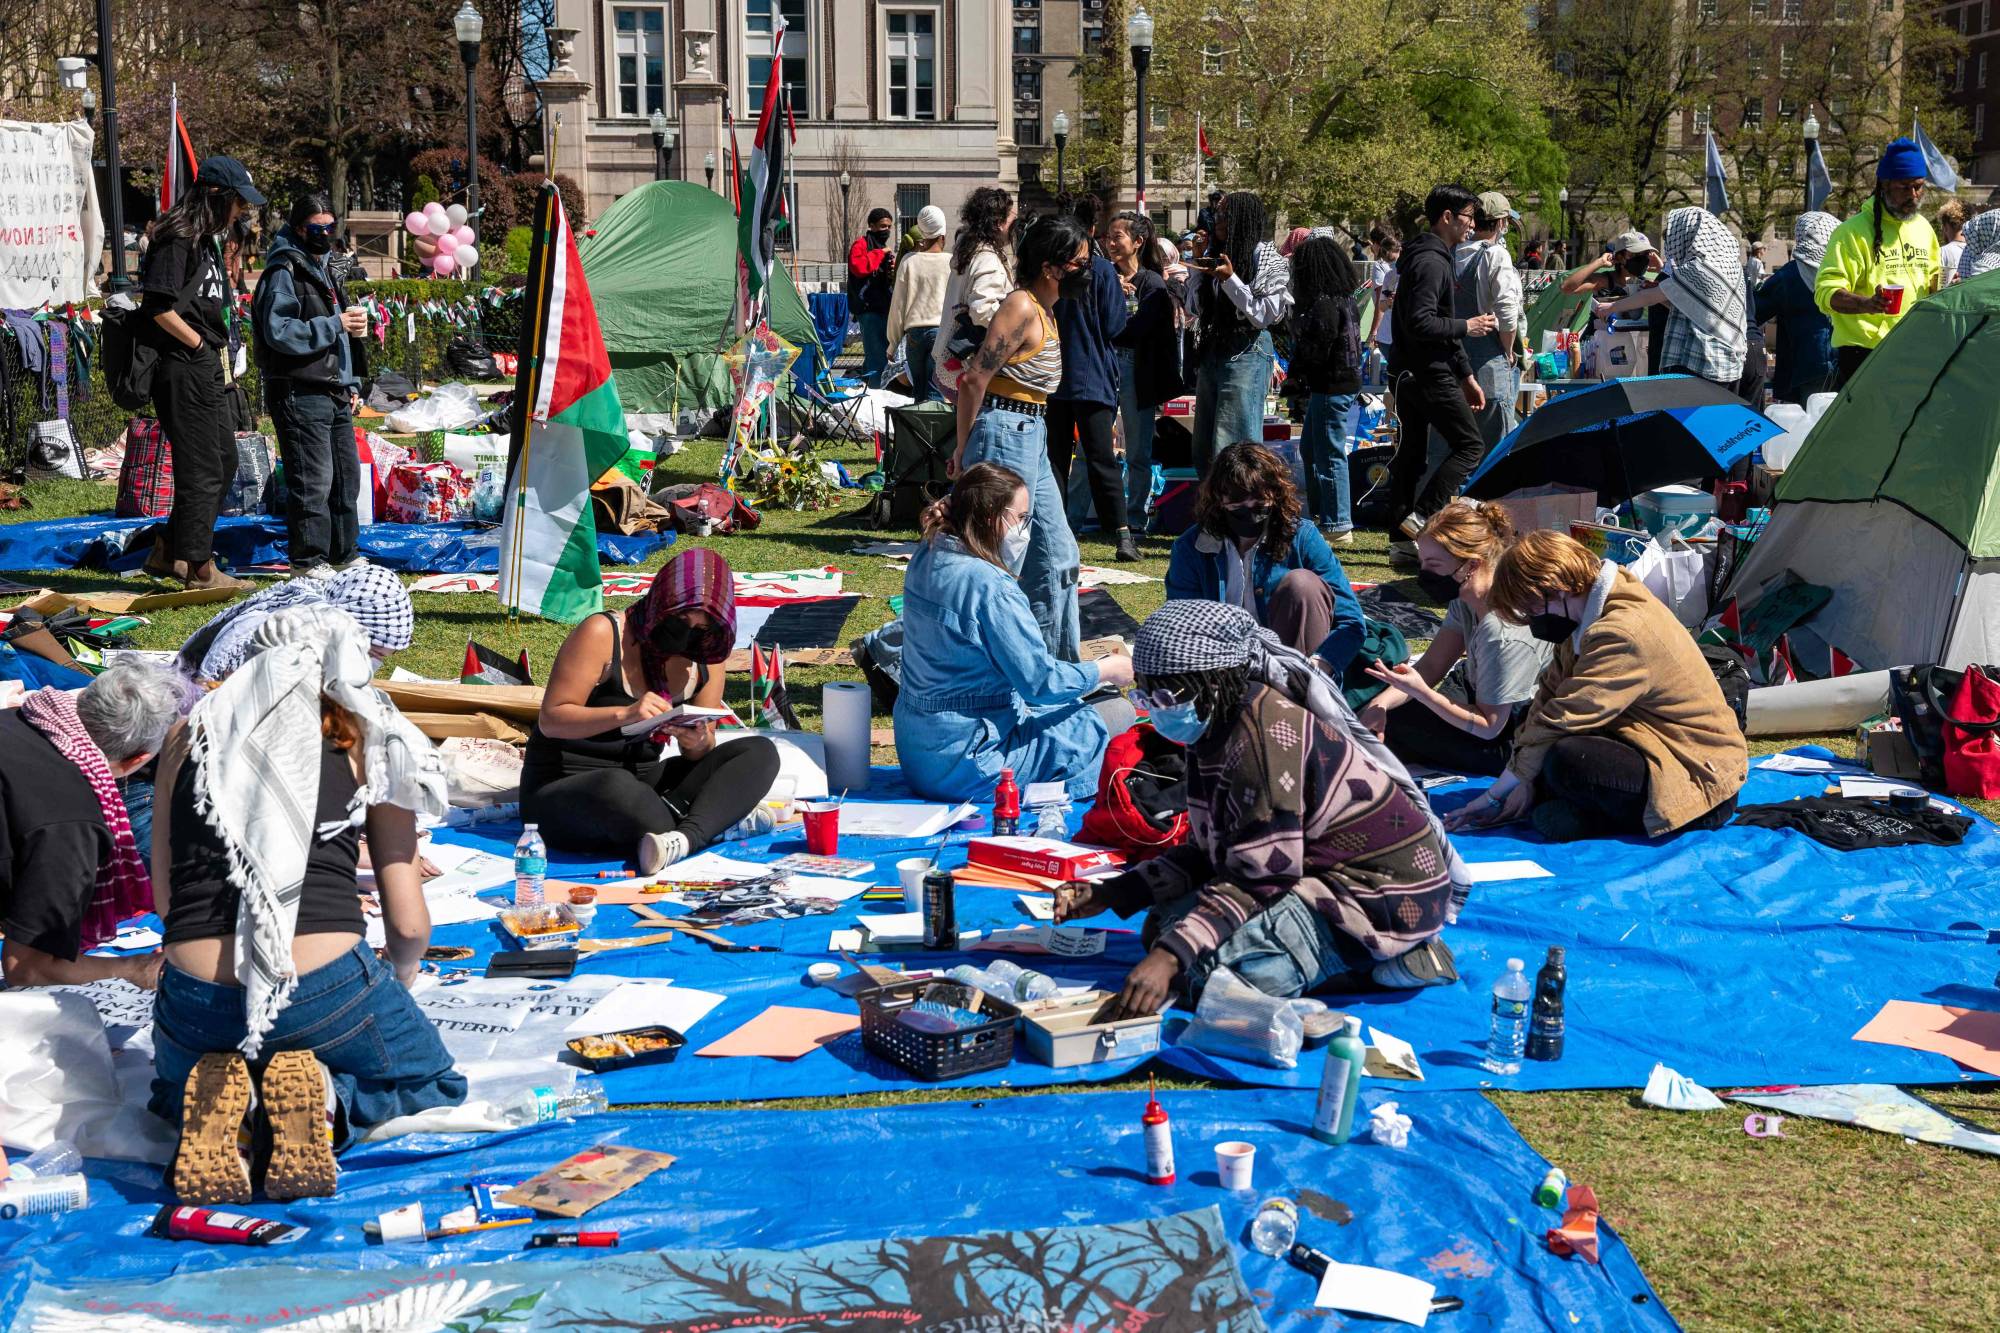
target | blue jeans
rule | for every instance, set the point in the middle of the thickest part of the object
(1287, 950)
(1139, 422)
(385, 1056)
(138, 794)
(917, 343)
(1018, 441)
(874, 348)
(1229, 398)
(1325, 443)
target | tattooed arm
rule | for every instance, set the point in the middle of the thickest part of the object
(1004, 337)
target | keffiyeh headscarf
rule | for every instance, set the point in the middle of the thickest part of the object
(1705, 283)
(124, 889)
(1810, 233)
(373, 595)
(255, 746)
(1982, 245)
(697, 579)
(379, 602)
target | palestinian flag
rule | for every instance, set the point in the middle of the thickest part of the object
(567, 431)
(484, 666)
(1201, 139)
(763, 204)
(772, 706)
(177, 176)
(1726, 630)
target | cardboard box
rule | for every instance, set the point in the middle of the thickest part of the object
(1060, 1033)
(1763, 485)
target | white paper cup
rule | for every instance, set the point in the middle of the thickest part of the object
(1234, 1162)
(821, 973)
(910, 873)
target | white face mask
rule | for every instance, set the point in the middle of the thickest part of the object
(1014, 547)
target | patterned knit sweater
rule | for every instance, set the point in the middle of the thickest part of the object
(1281, 804)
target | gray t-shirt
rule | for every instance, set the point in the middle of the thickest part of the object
(1502, 660)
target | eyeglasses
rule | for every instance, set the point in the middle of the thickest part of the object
(1160, 697)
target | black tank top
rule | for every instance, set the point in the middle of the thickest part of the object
(204, 901)
(548, 758)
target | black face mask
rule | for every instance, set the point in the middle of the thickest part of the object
(1636, 266)
(315, 245)
(1551, 627)
(1247, 525)
(673, 636)
(1076, 285)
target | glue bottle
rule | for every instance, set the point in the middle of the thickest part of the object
(1159, 1140)
(1340, 1084)
(1006, 806)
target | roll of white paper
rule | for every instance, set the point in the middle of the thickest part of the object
(848, 709)
(1817, 707)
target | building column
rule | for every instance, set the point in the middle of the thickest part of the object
(565, 96)
(701, 95)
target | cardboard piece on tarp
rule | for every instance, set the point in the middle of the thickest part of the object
(114, 602)
(581, 1182)
(41, 643)
(484, 726)
(518, 703)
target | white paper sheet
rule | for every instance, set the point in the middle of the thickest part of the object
(886, 819)
(1397, 1058)
(1040, 906)
(1061, 941)
(638, 1004)
(823, 886)
(1800, 763)
(1359, 1289)
(843, 941)
(895, 927)
(1499, 872)
(1873, 788)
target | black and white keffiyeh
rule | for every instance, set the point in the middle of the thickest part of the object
(1810, 233)
(255, 746)
(1705, 277)
(1982, 245)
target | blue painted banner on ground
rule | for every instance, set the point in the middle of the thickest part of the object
(1455, 1208)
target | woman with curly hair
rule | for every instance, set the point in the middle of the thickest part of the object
(1251, 547)
(981, 278)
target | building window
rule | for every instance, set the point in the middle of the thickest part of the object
(1028, 84)
(1027, 128)
(1157, 168)
(1242, 115)
(1793, 10)
(1985, 15)
(1162, 117)
(912, 58)
(639, 41)
(1760, 9)
(1788, 60)
(1843, 11)
(1708, 10)
(1958, 76)
(1753, 114)
(1211, 58)
(1703, 119)
(1979, 122)
(1753, 63)
(758, 47)
(910, 201)
(1027, 35)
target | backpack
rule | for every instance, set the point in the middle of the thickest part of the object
(704, 508)
(127, 354)
(1733, 676)
(1144, 777)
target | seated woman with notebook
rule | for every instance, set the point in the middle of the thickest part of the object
(599, 782)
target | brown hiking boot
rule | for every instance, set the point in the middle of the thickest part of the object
(299, 1104)
(160, 567)
(209, 575)
(209, 1167)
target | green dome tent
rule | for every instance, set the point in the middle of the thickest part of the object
(662, 270)
(1894, 499)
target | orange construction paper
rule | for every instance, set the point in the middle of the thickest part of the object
(1969, 1036)
(610, 895)
(784, 1033)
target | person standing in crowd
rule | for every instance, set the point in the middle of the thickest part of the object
(1325, 370)
(1239, 290)
(1148, 349)
(1888, 244)
(1484, 282)
(1608, 353)
(1385, 248)
(1003, 403)
(980, 690)
(1982, 245)
(981, 277)
(273, 1014)
(1628, 734)
(917, 306)
(1084, 406)
(1805, 334)
(1428, 368)
(871, 277)
(1312, 856)
(306, 348)
(599, 789)
(1951, 216)
(1707, 328)
(1251, 546)
(186, 294)
(71, 867)
(1475, 680)
(1754, 271)
(1531, 258)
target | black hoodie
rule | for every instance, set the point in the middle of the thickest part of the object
(1427, 333)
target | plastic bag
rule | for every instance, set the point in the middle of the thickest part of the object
(1236, 1019)
(426, 493)
(451, 407)
(1677, 574)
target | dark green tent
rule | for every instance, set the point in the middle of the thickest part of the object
(662, 270)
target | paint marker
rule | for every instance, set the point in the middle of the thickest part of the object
(220, 1228)
(441, 1232)
(1159, 1137)
(568, 1240)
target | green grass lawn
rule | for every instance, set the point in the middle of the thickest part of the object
(1826, 1229)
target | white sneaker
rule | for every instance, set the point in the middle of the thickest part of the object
(321, 572)
(1412, 526)
(761, 820)
(358, 562)
(657, 851)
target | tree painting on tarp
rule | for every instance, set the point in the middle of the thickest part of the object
(1173, 1274)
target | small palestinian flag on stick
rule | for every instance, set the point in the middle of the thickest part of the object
(484, 666)
(770, 705)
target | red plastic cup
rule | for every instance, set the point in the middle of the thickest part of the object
(1892, 298)
(822, 827)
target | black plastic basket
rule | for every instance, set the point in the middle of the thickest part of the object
(937, 1056)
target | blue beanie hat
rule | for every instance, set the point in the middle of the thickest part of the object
(1902, 160)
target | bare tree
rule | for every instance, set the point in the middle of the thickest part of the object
(843, 159)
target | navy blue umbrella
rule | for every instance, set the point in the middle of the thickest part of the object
(1625, 436)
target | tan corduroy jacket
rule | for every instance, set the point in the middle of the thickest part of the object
(1640, 679)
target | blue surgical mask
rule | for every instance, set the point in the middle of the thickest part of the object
(1014, 547)
(1179, 723)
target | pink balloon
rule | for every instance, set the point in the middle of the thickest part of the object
(466, 235)
(417, 224)
(433, 208)
(446, 243)
(444, 264)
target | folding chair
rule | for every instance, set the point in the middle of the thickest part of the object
(921, 439)
(830, 412)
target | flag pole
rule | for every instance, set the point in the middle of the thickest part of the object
(527, 388)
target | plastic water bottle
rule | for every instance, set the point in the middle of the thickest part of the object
(531, 867)
(1275, 1227)
(58, 1159)
(538, 1106)
(1509, 1035)
(42, 1197)
(1052, 820)
(1033, 985)
(965, 974)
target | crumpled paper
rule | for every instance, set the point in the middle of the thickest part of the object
(1671, 1090)
(1578, 1233)
(1386, 1127)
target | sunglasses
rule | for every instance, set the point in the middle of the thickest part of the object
(1159, 697)
(322, 228)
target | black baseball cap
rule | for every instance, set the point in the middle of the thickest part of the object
(229, 174)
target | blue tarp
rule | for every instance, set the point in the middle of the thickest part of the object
(36, 672)
(1455, 1208)
(97, 542)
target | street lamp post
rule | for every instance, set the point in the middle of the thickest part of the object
(846, 184)
(708, 165)
(1562, 211)
(1139, 32)
(663, 144)
(1810, 133)
(470, 28)
(114, 171)
(1062, 143)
